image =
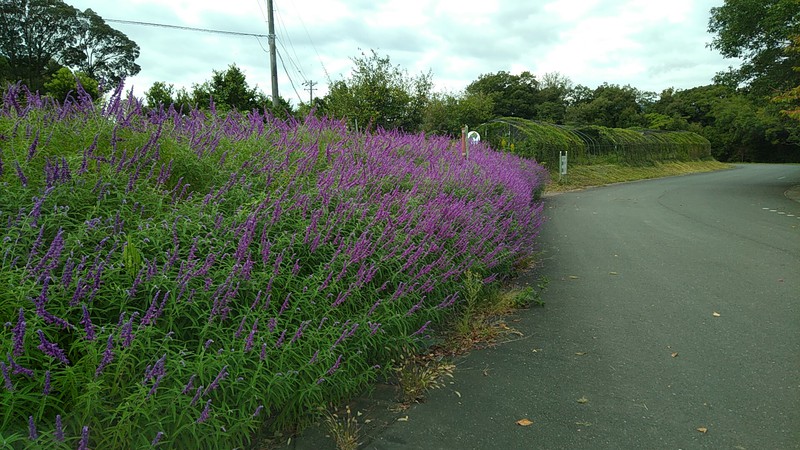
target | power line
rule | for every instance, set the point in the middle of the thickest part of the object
(205, 30)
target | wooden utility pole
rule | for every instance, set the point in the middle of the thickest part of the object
(272, 55)
(310, 84)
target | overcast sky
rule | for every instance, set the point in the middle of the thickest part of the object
(649, 44)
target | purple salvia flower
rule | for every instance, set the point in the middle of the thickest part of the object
(197, 394)
(273, 322)
(19, 334)
(335, 366)
(314, 357)
(84, 443)
(416, 307)
(32, 433)
(373, 327)
(238, 333)
(51, 349)
(279, 342)
(258, 410)
(86, 321)
(16, 369)
(285, 305)
(157, 372)
(223, 373)
(208, 343)
(47, 387)
(6, 377)
(127, 331)
(108, 356)
(263, 354)
(248, 345)
(421, 329)
(156, 439)
(189, 385)
(206, 411)
(59, 432)
(299, 333)
(22, 178)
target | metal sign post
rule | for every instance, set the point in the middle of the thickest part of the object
(562, 164)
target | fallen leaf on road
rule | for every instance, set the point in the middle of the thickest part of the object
(674, 354)
(402, 419)
(584, 424)
(573, 277)
(703, 429)
(581, 353)
(524, 422)
(583, 400)
(458, 394)
(715, 314)
(613, 273)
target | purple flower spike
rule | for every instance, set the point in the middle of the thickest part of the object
(206, 411)
(32, 433)
(156, 439)
(19, 334)
(51, 349)
(86, 321)
(59, 433)
(84, 443)
(258, 410)
(46, 389)
(108, 356)
(6, 377)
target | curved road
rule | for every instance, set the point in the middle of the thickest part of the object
(673, 306)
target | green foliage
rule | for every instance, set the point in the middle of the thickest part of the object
(757, 32)
(591, 144)
(379, 94)
(102, 52)
(446, 114)
(512, 95)
(611, 106)
(229, 90)
(328, 250)
(64, 83)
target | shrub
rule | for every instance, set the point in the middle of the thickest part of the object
(191, 279)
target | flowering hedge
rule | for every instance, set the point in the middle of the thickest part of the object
(184, 280)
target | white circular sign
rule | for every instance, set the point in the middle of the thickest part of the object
(474, 136)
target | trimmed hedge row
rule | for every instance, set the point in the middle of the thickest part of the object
(593, 144)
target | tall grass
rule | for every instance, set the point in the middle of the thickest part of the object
(187, 280)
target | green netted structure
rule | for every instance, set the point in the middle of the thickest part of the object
(592, 144)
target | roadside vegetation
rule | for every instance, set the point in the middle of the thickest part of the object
(197, 280)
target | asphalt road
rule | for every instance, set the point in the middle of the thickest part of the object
(672, 321)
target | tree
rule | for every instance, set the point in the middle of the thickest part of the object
(381, 94)
(758, 32)
(100, 51)
(611, 106)
(64, 83)
(512, 95)
(790, 99)
(160, 94)
(33, 34)
(229, 90)
(447, 113)
(554, 93)
(38, 37)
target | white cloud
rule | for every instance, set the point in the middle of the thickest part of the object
(651, 45)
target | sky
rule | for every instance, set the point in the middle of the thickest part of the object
(648, 44)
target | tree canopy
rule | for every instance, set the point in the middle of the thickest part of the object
(38, 37)
(379, 93)
(758, 32)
